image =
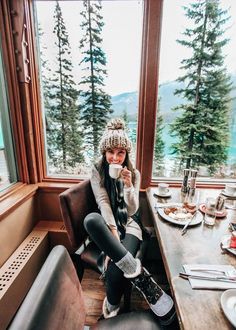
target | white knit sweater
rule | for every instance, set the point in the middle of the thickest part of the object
(131, 197)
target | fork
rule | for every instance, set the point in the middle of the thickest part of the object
(184, 230)
(210, 278)
(228, 273)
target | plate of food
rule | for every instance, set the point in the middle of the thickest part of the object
(180, 215)
(228, 304)
(226, 243)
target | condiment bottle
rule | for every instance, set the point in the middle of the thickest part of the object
(220, 202)
(184, 187)
(192, 182)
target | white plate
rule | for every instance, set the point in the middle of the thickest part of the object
(158, 194)
(223, 192)
(228, 304)
(197, 219)
(225, 241)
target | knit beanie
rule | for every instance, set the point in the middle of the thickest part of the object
(115, 136)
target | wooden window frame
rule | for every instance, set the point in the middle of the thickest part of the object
(24, 90)
(20, 59)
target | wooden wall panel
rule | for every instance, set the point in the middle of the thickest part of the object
(15, 227)
(48, 207)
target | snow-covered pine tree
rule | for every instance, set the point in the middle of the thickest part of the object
(95, 103)
(202, 131)
(64, 133)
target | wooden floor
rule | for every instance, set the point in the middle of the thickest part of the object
(94, 293)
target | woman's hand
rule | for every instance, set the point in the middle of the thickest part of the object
(107, 259)
(126, 176)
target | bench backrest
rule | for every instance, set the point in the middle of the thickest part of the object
(76, 202)
(55, 300)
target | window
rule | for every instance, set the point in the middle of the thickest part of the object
(196, 99)
(83, 62)
(8, 170)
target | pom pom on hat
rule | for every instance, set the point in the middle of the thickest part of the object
(115, 136)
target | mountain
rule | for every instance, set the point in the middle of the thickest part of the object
(128, 102)
(125, 102)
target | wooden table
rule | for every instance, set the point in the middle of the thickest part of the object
(196, 309)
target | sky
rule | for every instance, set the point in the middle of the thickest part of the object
(122, 36)
(174, 23)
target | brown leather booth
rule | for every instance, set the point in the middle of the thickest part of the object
(77, 202)
(55, 301)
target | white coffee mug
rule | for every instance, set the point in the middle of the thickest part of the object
(230, 189)
(163, 188)
(114, 170)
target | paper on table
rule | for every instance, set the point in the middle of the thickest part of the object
(205, 284)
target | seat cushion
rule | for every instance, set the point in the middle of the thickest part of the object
(138, 320)
(55, 300)
(93, 257)
(75, 203)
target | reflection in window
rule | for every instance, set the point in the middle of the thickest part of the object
(196, 118)
(8, 172)
(89, 65)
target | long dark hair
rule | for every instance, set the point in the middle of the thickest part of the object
(102, 164)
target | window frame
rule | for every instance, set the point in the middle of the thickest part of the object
(13, 98)
(6, 127)
(17, 26)
(147, 93)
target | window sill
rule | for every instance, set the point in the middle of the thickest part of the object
(55, 186)
(200, 183)
(16, 197)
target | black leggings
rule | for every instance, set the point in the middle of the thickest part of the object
(97, 229)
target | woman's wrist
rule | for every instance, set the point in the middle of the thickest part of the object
(128, 187)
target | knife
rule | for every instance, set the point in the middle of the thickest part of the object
(184, 230)
(215, 278)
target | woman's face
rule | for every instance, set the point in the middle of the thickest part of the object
(115, 156)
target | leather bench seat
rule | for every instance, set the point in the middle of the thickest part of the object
(55, 301)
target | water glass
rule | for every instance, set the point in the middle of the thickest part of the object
(210, 211)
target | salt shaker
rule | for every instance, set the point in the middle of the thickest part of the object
(184, 187)
(192, 183)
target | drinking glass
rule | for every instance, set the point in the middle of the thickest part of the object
(210, 211)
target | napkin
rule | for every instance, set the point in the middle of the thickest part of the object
(209, 284)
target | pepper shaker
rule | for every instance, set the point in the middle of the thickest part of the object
(192, 183)
(184, 187)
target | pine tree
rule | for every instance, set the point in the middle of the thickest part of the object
(159, 145)
(45, 82)
(95, 103)
(64, 133)
(125, 117)
(202, 131)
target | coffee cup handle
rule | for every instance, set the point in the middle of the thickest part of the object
(120, 172)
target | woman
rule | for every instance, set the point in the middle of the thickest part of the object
(117, 231)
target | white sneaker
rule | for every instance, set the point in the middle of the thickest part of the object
(105, 311)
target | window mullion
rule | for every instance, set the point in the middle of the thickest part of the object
(148, 89)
